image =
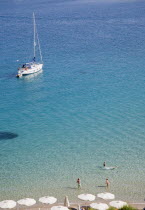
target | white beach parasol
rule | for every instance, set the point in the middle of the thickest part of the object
(27, 202)
(59, 208)
(87, 197)
(118, 204)
(66, 201)
(7, 204)
(48, 200)
(106, 196)
(99, 206)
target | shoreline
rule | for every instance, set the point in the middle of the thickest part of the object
(139, 204)
(74, 205)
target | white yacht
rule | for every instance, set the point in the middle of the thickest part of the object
(32, 67)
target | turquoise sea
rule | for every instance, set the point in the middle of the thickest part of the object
(86, 107)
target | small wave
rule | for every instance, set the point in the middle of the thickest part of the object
(109, 168)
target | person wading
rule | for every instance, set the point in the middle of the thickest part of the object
(79, 183)
(107, 183)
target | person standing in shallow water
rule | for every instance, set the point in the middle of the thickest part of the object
(107, 183)
(104, 164)
(79, 183)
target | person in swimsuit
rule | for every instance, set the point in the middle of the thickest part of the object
(107, 183)
(104, 164)
(79, 183)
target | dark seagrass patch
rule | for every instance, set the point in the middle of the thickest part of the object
(7, 135)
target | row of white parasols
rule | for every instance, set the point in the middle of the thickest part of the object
(105, 196)
(51, 200)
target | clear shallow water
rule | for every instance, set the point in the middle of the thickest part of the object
(87, 107)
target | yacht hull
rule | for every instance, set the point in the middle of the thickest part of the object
(26, 71)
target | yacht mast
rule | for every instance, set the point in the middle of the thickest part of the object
(34, 34)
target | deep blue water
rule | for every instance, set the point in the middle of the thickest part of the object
(87, 107)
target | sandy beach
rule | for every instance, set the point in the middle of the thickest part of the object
(75, 205)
